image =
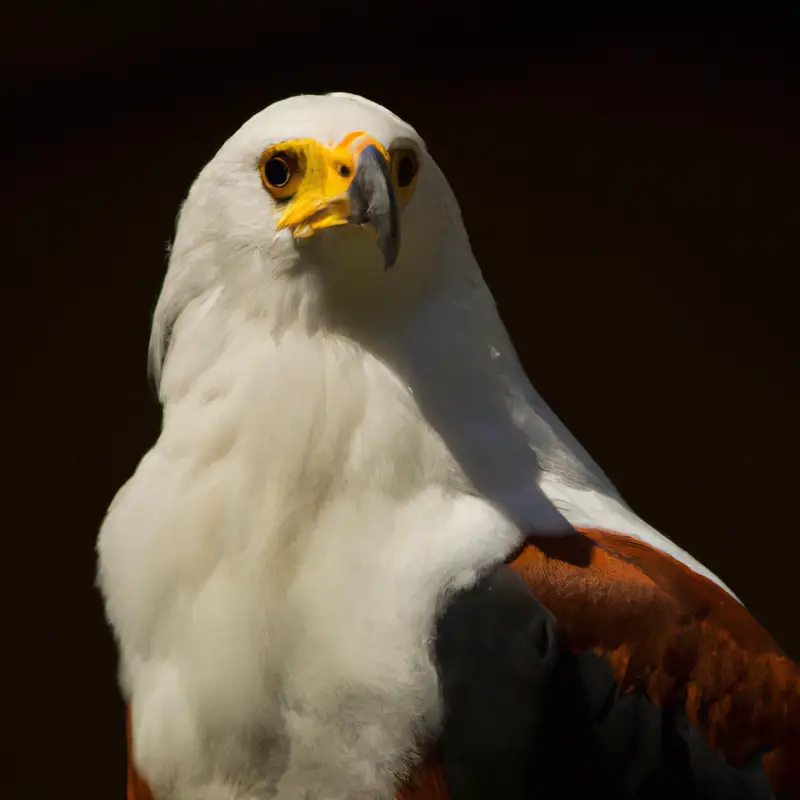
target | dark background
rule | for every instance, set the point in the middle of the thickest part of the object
(633, 200)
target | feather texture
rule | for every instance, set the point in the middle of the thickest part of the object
(673, 635)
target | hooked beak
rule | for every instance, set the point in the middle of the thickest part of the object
(350, 184)
(373, 202)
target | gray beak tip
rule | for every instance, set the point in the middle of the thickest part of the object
(390, 247)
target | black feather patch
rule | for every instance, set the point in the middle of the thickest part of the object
(525, 718)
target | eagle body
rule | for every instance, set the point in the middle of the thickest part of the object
(350, 444)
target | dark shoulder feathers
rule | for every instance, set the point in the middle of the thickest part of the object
(633, 678)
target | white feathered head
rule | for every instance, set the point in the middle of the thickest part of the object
(302, 213)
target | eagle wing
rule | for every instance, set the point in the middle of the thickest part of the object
(669, 672)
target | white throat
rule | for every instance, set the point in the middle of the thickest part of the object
(442, 350)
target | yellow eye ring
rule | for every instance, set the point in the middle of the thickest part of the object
(279, 173)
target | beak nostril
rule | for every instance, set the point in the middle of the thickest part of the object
(343, 170)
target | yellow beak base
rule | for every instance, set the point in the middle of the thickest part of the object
(326, 174)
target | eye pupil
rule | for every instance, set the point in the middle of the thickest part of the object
(277, 172)
(406, 170)
(343, 170)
